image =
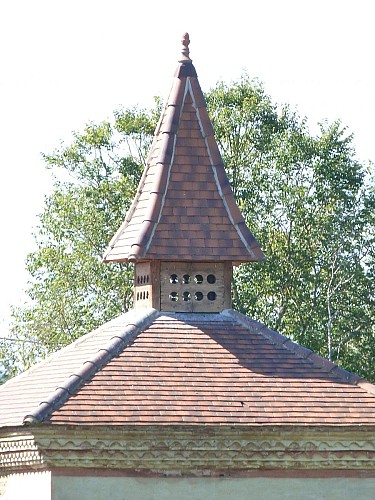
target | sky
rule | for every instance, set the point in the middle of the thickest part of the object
(65, 63)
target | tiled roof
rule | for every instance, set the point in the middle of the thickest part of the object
(149, 367)
(184, 208)
(187, 369)
(26, 393)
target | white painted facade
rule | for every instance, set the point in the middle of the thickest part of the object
(27, 486)
(43, 486)
(91, 488)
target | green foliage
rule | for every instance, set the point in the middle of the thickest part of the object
(71, 291)
(3, 375)
(307, 200)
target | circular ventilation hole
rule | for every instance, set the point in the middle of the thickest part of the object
(173, 296)
(186, 279)
(186, 296)
(211, 279)
(173, 279)
(198, 279)
(211, 296)
(198, 296)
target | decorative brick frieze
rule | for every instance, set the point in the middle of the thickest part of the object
(19, 452)
(192, 450)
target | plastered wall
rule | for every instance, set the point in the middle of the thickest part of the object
(126, 488)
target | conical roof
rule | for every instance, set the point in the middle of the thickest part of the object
(184, 208)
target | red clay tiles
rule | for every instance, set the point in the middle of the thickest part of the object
(184, 194)
(187, 369)
(149, 367)
(24, 395)
(214, 371)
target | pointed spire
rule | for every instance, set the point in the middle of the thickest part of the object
(184, 209)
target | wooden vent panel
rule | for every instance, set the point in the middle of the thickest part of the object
(194, 287)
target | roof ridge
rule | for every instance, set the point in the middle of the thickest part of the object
(220, 176)
(175, 96)
(172, 113)
(133, 204)
(300, 351)
(89, 368)
(57, 354)
(167, 142)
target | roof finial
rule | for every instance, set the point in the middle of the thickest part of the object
(185, 48)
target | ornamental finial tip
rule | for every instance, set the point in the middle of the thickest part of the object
(185, 48)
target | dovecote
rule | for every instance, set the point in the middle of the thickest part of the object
(184, 216)
(183, 286)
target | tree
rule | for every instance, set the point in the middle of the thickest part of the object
(307, 201)
(306, 198)
(71, 292)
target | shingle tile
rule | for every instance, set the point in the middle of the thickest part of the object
(195, 179)
(216, 369)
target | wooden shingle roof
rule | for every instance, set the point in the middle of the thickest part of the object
(209, 369)
(184, 208)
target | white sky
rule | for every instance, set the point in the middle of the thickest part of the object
(64, 63)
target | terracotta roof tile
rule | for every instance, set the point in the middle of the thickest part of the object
(217, 369)
(187, 368)
(184, 171)
(24, 394)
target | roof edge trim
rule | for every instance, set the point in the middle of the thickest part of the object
(222, 183)
(300, 351)
(89, 368)
(161, 190)
(128, 217)
(157, 194)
